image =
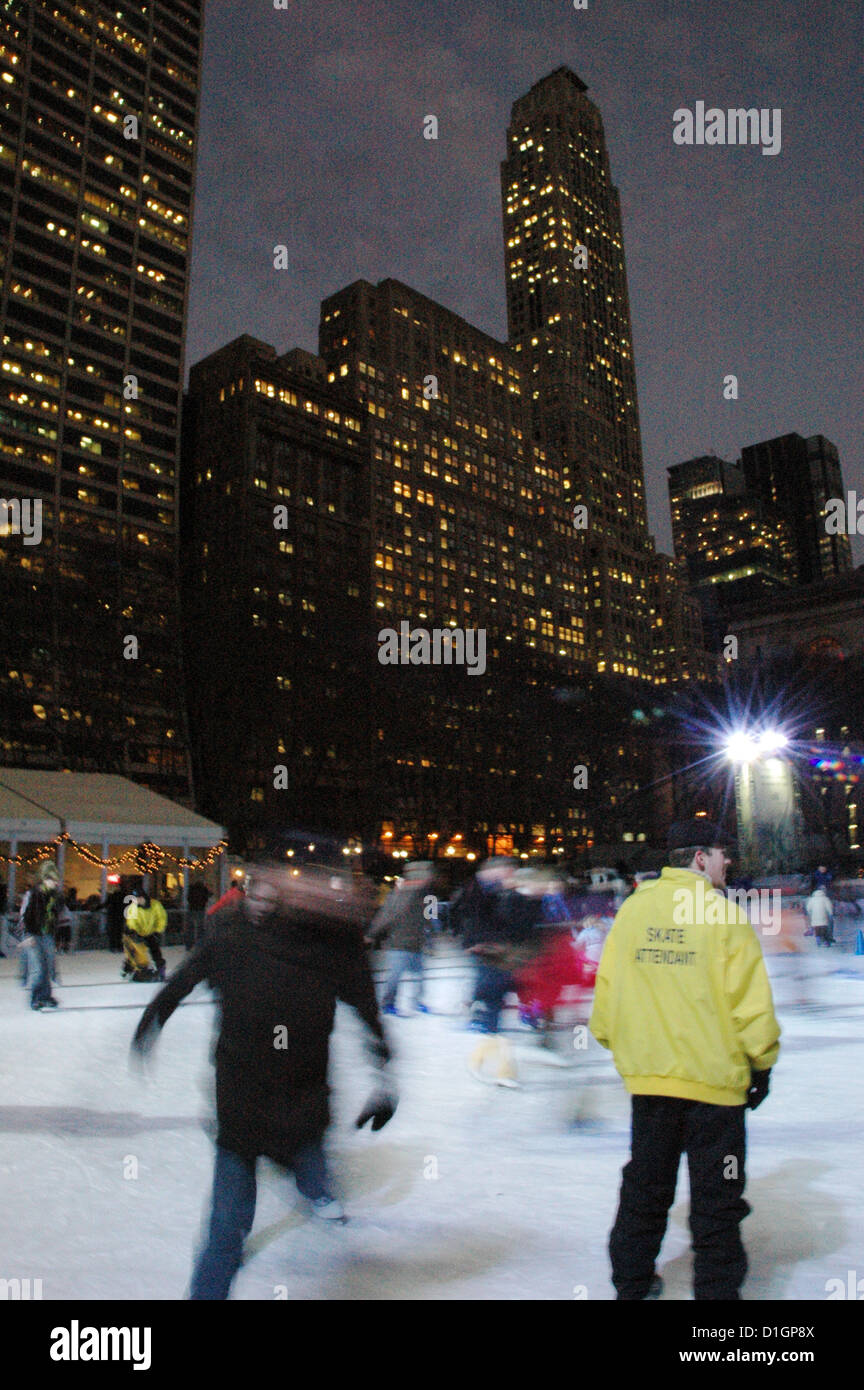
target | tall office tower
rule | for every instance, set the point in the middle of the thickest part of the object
(98, 121)
(797, 476)
(469, 520)
(276, 583)
(724, 535)
(733, 546)
(569, 323)
(470, 529)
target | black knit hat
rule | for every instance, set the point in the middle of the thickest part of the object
(698, 834)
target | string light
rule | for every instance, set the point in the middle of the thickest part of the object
(147, 857)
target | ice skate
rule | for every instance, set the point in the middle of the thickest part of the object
(327, 1208)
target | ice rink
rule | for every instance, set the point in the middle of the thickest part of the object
(471, 1192)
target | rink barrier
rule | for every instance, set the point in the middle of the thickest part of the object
(89, 930)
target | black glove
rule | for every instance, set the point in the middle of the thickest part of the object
(141, 1049)
(379, 1109)
(759, 1081)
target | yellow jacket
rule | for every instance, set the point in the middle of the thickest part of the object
(682, 997)
(146, 921)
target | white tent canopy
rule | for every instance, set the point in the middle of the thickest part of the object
(98, 809)
(94, 806)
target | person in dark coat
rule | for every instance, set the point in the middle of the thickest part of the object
(115, 908)
(43, 914)
(278, 960)
(197, 898)
(487, 915)
(402, 920)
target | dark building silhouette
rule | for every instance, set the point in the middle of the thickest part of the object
(568, 316)
(796, 477)
(276, 575)
(97, 151)
(735, 546)
(464, 501)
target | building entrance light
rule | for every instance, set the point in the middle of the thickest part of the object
(741, 747)
(772, 740)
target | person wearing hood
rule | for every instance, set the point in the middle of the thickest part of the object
(402, 921)
(684, 1003)
(820, 914)
(278, 960)
(43, 914)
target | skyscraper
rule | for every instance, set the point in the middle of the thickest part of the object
(569, 322)
(733, 546)
(276, 582)
(727, 537)
(98, 122)
(797, 476)
(470, 524)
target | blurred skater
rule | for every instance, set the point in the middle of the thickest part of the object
(233, 894)
(278, 960)
(683, 1000)
(43, 914)
(402, 922)
(512, 939)
(479, 916)
(787, 957)
(143, 933)
(197, 898)
(115, 910)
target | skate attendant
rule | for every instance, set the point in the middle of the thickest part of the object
(683, 1000)
(43, 913)
(143, 931)
(402, 921)
(279, 966)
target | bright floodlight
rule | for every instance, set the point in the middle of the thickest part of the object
(741, 748)
(772, 740)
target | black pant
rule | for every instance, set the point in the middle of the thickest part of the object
(714, 1139)
(154, 945)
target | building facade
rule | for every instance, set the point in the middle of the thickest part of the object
(568, 315)
(98, 122)
(276, 590)
(796, 477)
(503, 496)
(733, 547)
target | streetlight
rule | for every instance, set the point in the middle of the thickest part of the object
(741, 747)
(766, 811)
(772, 740)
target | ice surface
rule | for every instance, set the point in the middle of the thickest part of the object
(526, 1183)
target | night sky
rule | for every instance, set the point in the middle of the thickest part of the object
(311, 136)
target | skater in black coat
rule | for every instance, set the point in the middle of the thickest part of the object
(279, 961)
